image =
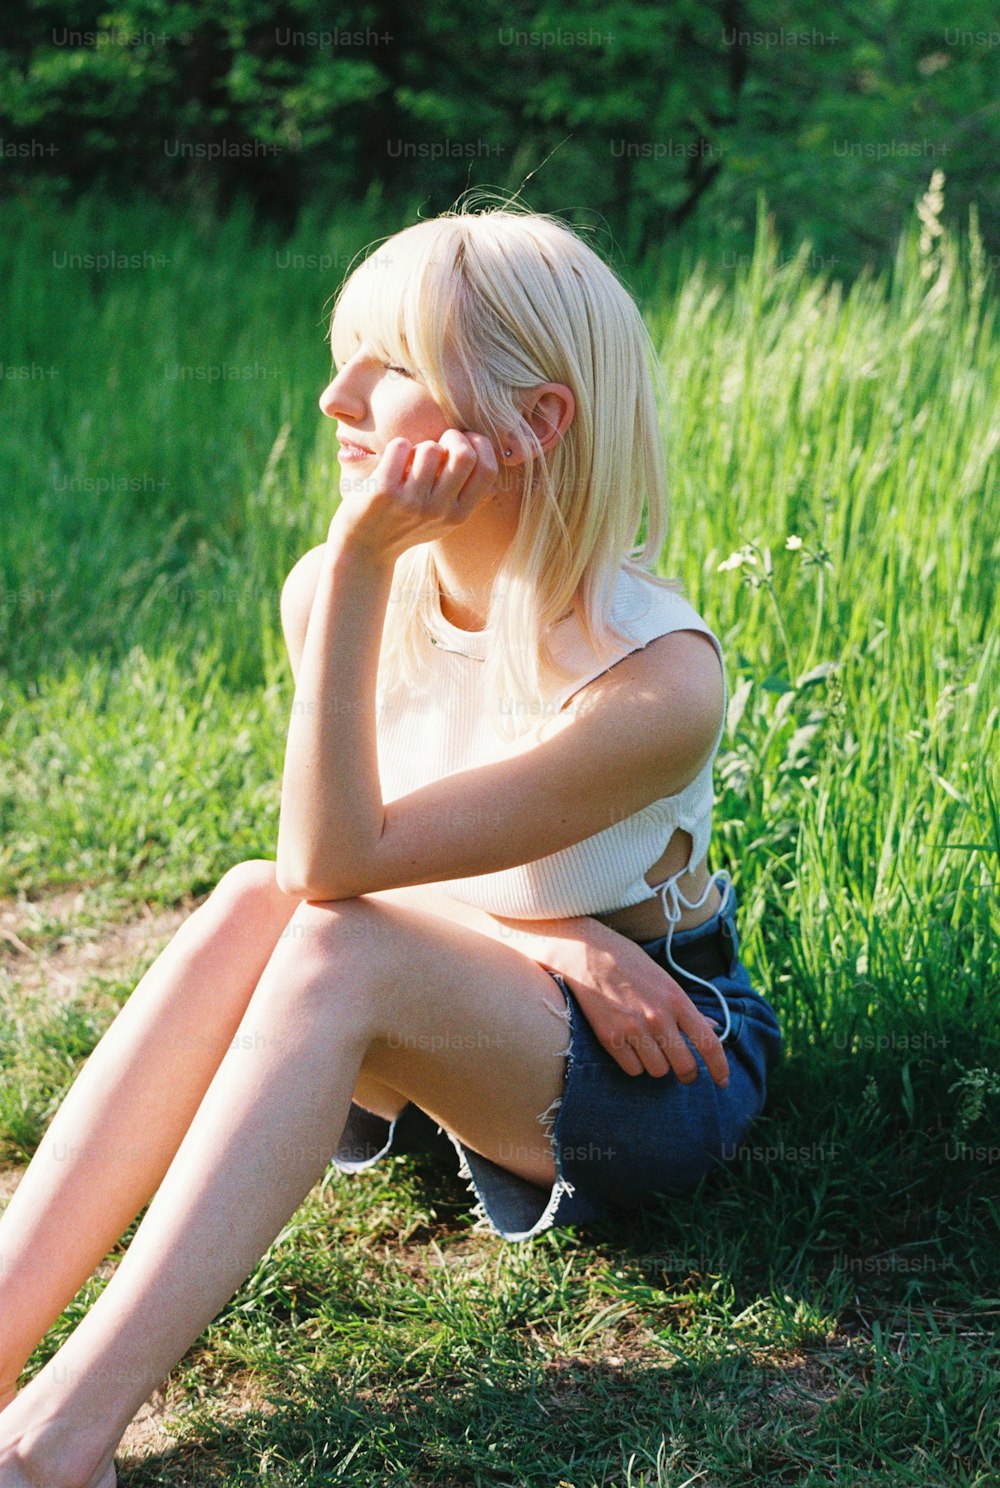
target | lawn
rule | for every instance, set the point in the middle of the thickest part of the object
(824, 1311)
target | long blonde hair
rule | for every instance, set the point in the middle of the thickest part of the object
(519, 299)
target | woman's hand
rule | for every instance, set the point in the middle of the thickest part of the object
(638, 1012)
(416, 493)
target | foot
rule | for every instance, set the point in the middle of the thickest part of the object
(35, 1455)
(16, 1472)
(12, 1476)
(32, 1465)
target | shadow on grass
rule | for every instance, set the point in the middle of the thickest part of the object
(818, 1313)
(728, 1419)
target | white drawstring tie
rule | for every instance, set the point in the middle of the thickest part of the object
(672, 913)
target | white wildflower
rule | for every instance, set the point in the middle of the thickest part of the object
(793, 542)
(737, 559)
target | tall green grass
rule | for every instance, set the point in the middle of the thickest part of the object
(151, 517)
(833, 451)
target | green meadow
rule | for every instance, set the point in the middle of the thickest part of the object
(824, 1311)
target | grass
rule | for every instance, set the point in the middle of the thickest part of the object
(823, 1312)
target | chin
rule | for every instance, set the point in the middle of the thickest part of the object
(351, 482)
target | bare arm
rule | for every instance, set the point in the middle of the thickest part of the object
(655, 712)
(551, 943)
(633, 1005)
(621, 990)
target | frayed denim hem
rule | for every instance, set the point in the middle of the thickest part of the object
(506, 1204)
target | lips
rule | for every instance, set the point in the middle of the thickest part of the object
(353, 446)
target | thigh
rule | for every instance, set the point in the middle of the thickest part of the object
(256, 906)
(258, 917)
(467, 1028)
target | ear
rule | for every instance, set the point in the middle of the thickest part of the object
(550, 409)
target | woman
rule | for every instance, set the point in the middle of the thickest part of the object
(488, 909)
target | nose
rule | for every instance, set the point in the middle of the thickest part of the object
(327, 400)
(341, 397)
(335, 401)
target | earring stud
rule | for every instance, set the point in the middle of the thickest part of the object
(508, 453)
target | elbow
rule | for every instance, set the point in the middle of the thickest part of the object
(288, 885)
(301, 886)
(291, 880)
(292, 873)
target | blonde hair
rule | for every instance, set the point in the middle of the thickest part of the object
(518, 299)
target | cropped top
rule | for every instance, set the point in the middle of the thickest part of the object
(422, 738)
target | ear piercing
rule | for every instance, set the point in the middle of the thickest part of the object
(508, 453)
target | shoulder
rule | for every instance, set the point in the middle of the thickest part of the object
(661, 707)
(682, 667)
(299, 588)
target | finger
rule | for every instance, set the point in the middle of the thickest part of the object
(395, 457)
(428, 458)
(642, 1052)
(706, 1041)
(483, 476)
(458, 439)
(676, 1050)
(649, 1047)
(624, 1055)
(459, 466)
(485, 449)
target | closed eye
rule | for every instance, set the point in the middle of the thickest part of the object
(398, 371)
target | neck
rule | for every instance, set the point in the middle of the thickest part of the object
(469, 559)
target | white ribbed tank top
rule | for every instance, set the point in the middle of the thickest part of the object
(422, 737)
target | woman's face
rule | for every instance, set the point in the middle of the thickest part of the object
(373, 403)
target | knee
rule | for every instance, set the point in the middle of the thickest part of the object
(336, 951)
(247, 884)
(340, 925)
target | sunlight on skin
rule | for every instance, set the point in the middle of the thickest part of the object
(12, 1475)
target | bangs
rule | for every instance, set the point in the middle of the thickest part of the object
(481, 308)
(400, 304)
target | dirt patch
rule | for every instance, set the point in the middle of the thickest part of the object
(53, 944)
(9, 1179)
(146, 1434)
(805, 1384)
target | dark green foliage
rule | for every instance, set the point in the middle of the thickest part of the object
(660, 117)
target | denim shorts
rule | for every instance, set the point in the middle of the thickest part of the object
(619, 1140)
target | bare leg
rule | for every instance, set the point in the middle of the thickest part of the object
(409, 988)
(107, 1148)
(115, 1134)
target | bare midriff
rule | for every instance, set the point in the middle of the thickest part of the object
(646, 921)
